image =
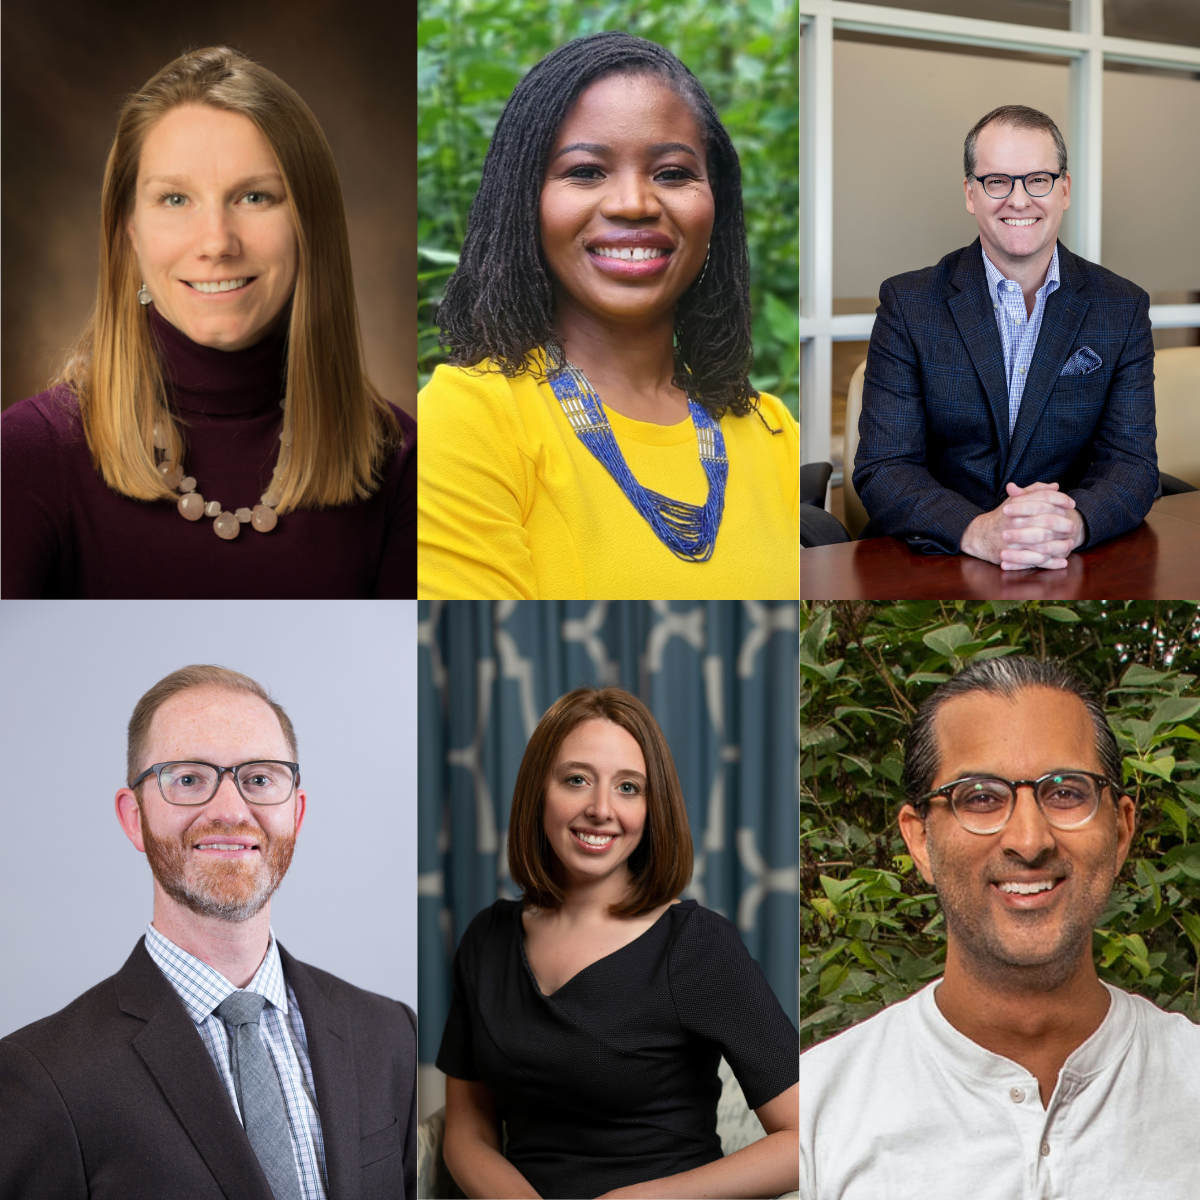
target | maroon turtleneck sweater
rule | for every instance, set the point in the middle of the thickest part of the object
(66, 534)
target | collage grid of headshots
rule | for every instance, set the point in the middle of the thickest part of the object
(699, 699)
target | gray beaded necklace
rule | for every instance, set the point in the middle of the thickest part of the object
(192, 505)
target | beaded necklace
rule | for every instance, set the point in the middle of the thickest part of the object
(227, 525)
(689, 531)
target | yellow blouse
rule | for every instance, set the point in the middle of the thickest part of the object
(512, 504)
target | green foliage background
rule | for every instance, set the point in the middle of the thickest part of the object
(870, 928)
(470, 56)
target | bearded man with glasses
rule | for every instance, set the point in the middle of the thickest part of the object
(213, 1064)
(1008, 403)
(1018, 1073)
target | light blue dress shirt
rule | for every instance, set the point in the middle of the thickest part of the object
(1018, 332)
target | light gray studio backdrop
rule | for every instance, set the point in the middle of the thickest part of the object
(74, 893)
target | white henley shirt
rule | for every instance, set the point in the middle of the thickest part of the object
(904, 1107)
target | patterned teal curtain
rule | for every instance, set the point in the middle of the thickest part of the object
(720, 677)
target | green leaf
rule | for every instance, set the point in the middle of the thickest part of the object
(1177, 813)
(1173, 709)
(861, 763)
(1186, 858)
(1139, 677)
(1162, 767)
(781, 319)
(995, 652)
(832, 978)
(447, 258)
(1056, 612)
(1191, 926)
(947, 640)
(838, 889)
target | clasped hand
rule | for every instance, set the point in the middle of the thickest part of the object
(1037, 526)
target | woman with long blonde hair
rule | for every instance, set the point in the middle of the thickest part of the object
(218, 386)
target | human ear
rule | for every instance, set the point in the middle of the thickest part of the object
(1126, 826)
(1066, 187)
(129, 814)
(915, 835)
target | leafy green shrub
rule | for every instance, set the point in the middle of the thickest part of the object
(870, 928)
(472, 53)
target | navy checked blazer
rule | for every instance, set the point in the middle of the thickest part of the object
(934, 450)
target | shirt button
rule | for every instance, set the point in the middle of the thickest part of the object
(1045, 1149)
(1021, 370)
(1017, 1094)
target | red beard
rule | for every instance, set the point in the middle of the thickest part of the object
(224, 888)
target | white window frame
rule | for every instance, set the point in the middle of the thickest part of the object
(1087, 48)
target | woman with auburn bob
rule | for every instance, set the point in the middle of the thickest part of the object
(591, 1015)
(225, 296)
(596, 434)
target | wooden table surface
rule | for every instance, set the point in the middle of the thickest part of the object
(1159, 560)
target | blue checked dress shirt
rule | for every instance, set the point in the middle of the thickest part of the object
(282, 1030)
(1018, 333)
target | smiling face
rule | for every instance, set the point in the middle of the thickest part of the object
(1017, 229)
(626, 206)
(1021, 903)
(212, 228)
(595, 808)
(225, 858)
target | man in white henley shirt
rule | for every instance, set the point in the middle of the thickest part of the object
(1019, 1075)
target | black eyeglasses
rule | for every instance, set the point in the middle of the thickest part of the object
(984, 803)
(266, 781)
(999, 187)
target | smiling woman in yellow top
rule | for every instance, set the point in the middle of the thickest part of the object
(597, 435)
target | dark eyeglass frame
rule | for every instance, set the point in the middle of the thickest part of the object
(1101, 781)
(1012, 183)
(157, 769)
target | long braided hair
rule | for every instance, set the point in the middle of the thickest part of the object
(499, 303)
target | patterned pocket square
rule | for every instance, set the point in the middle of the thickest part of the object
(1082, 362)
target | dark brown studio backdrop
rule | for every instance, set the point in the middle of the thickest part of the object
(67, 66)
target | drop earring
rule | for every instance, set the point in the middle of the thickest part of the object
(143, 295)
(703, 270)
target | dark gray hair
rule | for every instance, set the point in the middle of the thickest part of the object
(1018, 116)
(1000, 677)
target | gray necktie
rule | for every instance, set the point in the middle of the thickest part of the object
(258, 1093)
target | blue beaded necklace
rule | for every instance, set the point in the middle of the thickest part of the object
(689, 531)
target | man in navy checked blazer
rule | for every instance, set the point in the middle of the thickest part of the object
(1008, 404)
(212, 1064)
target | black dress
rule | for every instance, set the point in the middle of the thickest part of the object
(612, 1080)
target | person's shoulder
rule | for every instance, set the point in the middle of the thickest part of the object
(404, 454)
(496, 921)
(1160, 1026)
(42, 421)
(929, 282)
(359, 1003)
(483, 384)
(1097, 279)
(830, 1056)
(703, 929)
(772, 415)
(408, 424)
(85, 1026)
(478, 410)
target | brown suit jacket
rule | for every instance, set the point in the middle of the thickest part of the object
(116, 1096)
